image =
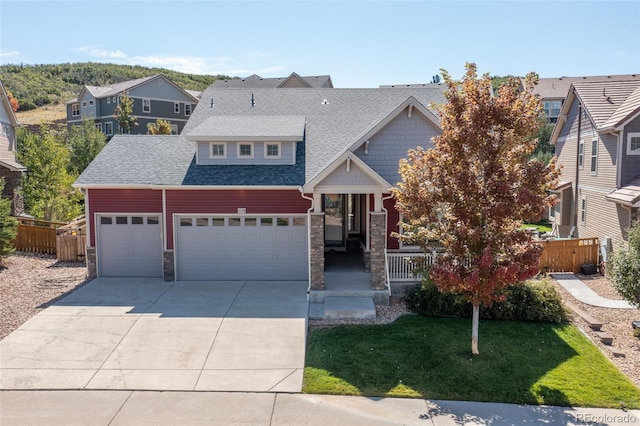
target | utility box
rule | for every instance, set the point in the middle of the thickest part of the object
(588, 269)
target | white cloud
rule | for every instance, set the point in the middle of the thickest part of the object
(100, 53)
(11, 54)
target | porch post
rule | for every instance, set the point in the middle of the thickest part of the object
(378, 244)
(316, 250)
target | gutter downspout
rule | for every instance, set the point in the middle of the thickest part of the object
(308, 238)
(575, 195)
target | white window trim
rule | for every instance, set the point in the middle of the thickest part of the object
(176, 107)
(583, 210)
(146, 102)
(84, 104)
(75, 110)
(239, 144)
(266, 150)
(98, 126)
(629, 137)
(594, 158)
(108, 100)
(212, 144)
(174, 129)
(108, 128)
(581, 155)
(90, 102)
(187, 109)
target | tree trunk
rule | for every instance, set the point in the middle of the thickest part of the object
(474, 329)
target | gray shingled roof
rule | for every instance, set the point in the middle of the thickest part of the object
(257, 82)
(335, 119)
(241, 128)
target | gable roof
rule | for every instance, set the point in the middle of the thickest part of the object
(558, 87)
(7, 106)
(255, 81)
(628, 195)
(607, 103)
(100, 92)
(334, 120)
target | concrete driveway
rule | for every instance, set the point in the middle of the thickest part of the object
(147, 334)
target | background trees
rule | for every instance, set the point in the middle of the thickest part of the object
(473, 190)
(84, 143)
(47, 187)
(124, 113)
(160, 127)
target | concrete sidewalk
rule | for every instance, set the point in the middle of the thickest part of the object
(583, 293)
(113, 408)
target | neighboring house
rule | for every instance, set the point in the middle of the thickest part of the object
(154, 98)
(259, 185)
(597, 139)
(293, 81)
(10, 170)
(553, 91)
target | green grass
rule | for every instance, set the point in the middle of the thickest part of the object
(416, 356)
(541, 227)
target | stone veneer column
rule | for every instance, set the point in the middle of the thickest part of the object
(92, 269)
(316, 252)
(377, 244)
(169, 270)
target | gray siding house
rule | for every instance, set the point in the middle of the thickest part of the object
(154, 98)
(292, 81)
(597, 140)
(10, 170)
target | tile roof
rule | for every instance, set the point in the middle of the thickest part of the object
(558, 87)
(628, 195)
(629, 108)
(335, 119)
(602, 99)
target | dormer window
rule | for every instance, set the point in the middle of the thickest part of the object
(272, 150)
(245, 150)
(218, 150)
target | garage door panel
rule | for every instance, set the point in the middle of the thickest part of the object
(129, 248)
(255, 249)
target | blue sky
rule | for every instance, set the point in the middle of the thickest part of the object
(359, 43)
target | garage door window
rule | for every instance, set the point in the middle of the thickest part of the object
(283, 221)
(217, 221)
(266, 221)
(153, 220)
(234, 221)
(122, 220)
(106, 220)
(137, 220)
(186, 221)
(250, 221)
(299, 221)
(202, 221)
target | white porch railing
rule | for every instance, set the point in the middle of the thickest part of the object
(405, 267)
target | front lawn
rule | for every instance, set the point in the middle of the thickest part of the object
(541, 226)
(416, 356)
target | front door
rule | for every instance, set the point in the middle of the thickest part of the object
(334, 221)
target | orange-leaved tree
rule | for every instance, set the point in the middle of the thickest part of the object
(472, 191)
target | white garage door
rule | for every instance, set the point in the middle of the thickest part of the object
(129, 246)
(241, 248)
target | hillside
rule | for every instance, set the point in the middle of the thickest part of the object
(48, 87)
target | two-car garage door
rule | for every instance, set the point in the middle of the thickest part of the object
(264, 247)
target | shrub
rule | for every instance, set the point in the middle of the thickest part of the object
(535, 300)
(625, 268)
(8, 225)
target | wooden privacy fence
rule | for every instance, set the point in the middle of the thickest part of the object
(71, 240)
(568, 255)
(66, 241)
(36, 236)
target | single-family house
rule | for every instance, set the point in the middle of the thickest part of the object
(292, 81)
(262, 184)
(154, 98)
(597, 140)
(553, 91)
(10, 169)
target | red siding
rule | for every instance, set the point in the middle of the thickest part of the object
(122, 201)
(228, 202)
